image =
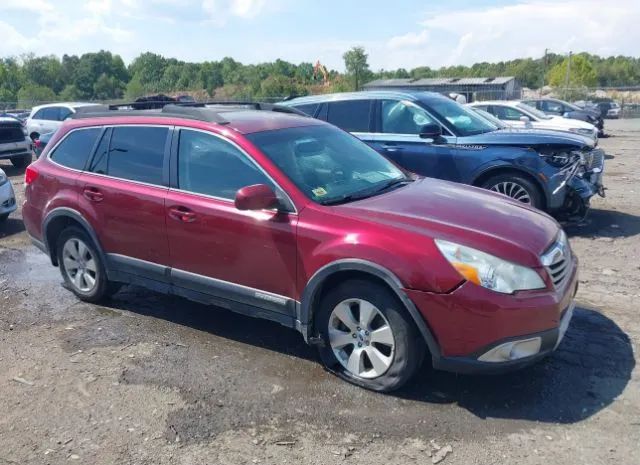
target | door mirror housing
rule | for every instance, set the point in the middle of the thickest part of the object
(431, 131)
(525, 119)
(256, 197)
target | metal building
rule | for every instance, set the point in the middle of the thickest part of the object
(480, 88)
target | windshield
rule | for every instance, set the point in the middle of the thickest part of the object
(329, 165)
(489, 117)
(534, 111)
(463, 121)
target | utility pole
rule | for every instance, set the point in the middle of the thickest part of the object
(567, 78)
(544, 70)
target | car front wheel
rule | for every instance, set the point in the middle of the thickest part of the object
(369, 339)
(517, 187)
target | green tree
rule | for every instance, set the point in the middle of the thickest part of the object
(32, 94)
(107, 87)
(134, 89)
(70, 93)
(44, 71)
(581, 73)
(355, 61)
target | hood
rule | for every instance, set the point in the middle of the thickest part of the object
(463, 214)
(530, 138)
(562, 122)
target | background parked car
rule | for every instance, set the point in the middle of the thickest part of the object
(555, 107)
(47, 118)
(41, 143)
(431, 135)
(15, 145)
(521, 115)
(7, 197)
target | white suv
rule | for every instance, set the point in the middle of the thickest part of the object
(48, 118)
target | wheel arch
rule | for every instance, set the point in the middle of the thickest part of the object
(509, 169)
(58, 220)
(339, 270)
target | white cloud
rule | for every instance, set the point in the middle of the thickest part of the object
(27, 5)
(220, 11)
(450, 37)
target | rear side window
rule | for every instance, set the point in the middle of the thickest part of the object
(51, 114)
(135, 153)
(75, 149)
(310, 108)
(350, 115)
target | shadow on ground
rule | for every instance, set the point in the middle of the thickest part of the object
(606, 223)
(589, 370)
(10, 227)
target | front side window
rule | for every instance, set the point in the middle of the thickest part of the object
(533, 111)
(64, 113)
(75, 149)
(50, 114)
(308, 108)
(39, 114)
(350, 115)
(327, 164)
(461, 120)
(552, 107)
(135, 153)
(400, 117)
(212, 166)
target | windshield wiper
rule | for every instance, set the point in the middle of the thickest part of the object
(367, 193)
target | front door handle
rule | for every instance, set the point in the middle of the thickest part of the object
(93, 194)
(390, 147)
(183, 214)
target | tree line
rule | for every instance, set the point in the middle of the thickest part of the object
(104, 76)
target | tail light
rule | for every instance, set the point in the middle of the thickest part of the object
(30, 175)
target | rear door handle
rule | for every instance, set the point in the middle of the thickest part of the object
(183, 214)
(93, 194)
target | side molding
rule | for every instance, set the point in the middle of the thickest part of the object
(305, 312)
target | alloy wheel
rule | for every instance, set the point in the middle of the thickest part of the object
(513, 190)
(80, 265)
(361, 338)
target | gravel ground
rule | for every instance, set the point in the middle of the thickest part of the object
(152, 379)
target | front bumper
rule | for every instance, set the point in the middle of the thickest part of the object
(15, 149)
(7, 198)
(471, 321)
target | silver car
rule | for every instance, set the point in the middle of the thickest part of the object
(7, 197)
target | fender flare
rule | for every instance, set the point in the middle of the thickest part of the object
(305, 312)
(77, 216)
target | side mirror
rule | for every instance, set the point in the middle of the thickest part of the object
(525, 119)
(430, 131)
(256, 197)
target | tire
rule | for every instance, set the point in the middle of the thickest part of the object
(21, 162)
(394, 364)
(4, 217)
(75, 241)
(517, 187)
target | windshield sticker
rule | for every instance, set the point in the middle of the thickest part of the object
(374, 176)
(319, 192)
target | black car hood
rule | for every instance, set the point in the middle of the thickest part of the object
(529, 138)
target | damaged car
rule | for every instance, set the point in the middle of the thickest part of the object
(431, 135)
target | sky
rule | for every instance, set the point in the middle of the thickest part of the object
(399, 33)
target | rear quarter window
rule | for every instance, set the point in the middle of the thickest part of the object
(75, 148)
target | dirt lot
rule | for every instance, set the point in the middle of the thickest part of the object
(151, 379)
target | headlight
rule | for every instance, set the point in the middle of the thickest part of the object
(488, 271)
(585, 131)
(3, 178)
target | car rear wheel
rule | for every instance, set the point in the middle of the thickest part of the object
(81, 266)
(369, 339)
(22, 161)
(517, 187)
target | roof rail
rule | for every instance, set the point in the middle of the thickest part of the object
(202, 111)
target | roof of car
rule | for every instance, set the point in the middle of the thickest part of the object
(374, 94)
(242, 121)
(64, 104)
(509, 103)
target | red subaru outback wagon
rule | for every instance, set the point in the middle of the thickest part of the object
(287, 218)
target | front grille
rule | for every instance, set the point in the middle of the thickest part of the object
(11, 133)
(557, 261)
(594, 159)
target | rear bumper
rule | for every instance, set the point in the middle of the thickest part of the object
(7, 198)
(471, 321)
